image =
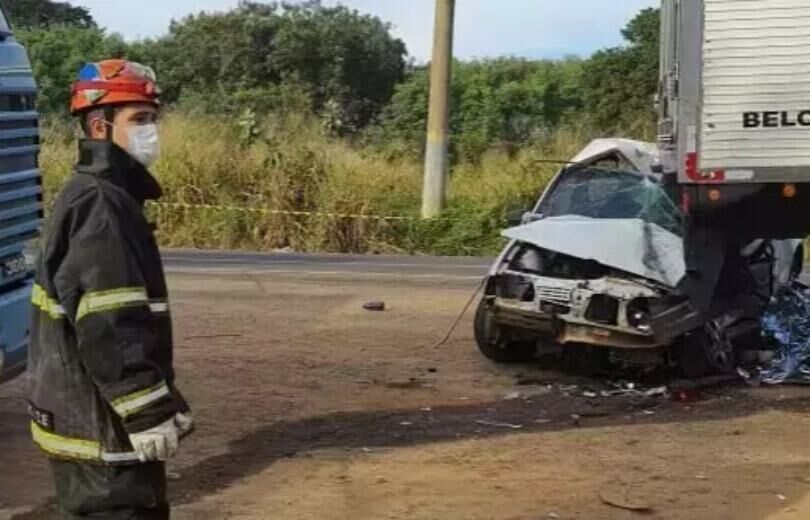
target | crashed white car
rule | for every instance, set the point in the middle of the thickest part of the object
(602, 244)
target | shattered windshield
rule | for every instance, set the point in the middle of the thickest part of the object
(611, 194)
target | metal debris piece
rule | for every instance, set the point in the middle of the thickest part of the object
(500, 425)
(528, 393)
(630, 389)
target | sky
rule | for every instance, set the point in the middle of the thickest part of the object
(484, 28)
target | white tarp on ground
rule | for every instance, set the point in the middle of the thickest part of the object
(630, 245)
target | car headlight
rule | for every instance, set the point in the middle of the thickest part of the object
(638, 315)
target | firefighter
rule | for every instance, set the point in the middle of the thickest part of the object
(103, 401)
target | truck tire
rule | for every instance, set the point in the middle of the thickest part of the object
(495, 343)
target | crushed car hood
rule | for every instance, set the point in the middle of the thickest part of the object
(630, 245)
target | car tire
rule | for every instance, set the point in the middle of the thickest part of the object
(494, 342)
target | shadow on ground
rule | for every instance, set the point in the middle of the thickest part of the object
(257, 451)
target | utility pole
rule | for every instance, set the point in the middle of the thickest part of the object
(437, 162)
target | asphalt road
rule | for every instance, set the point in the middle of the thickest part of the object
(417, 267)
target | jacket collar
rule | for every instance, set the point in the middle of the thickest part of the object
(108, 161)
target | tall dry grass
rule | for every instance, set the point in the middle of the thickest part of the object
(209, 172)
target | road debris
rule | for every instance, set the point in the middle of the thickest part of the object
(374, 306)
(629, 389)
(618, 496)
(786, 326)
(500, 425)
(529, 393)
(410, 384)
(214, 336)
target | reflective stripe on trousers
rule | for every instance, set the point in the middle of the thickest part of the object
(71, 448)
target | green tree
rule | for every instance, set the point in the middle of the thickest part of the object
(57, 54)
(348, 63)
(619, 84)
(504, 102)
(44, 13)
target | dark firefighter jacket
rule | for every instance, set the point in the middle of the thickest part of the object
(100, 360)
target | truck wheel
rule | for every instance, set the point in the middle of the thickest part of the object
(494, 342)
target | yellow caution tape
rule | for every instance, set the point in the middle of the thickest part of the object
(264, 211)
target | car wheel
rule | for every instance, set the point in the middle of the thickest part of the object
(719, 351)
(495, 342)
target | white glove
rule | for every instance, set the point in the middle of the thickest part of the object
(184, 423)
(158, 444)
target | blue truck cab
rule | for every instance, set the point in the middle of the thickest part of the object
(21, 204)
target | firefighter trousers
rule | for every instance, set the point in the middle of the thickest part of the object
(136, 492)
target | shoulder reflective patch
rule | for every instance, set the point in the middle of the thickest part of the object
(104, 301)
(46, 304)
(133, 403)
(70, 448)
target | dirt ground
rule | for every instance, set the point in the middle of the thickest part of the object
(311, 408)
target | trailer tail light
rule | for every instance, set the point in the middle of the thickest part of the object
(714, 195)
(789, 191)
(694, 174)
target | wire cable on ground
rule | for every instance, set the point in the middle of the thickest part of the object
(456, 323)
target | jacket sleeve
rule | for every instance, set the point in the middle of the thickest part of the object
(102, 289)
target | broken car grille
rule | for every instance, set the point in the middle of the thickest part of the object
(559, 295)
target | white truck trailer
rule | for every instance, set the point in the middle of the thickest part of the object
(734, 136)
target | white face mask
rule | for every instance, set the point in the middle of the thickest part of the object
(144, 144)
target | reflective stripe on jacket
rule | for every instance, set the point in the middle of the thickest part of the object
(101, 357)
